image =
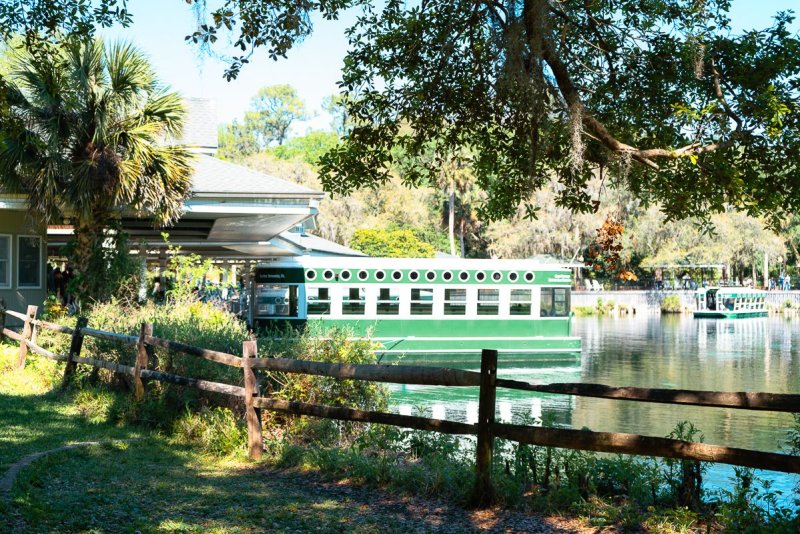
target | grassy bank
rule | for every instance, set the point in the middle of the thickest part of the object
(187, 470)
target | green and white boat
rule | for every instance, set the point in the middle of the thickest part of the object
(425, 309)
(730, 302)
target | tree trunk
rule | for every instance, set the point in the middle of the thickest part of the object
(765, 270)
(451, 218)
(461, 237)
(754, 273)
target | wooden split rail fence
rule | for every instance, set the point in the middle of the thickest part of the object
(486, 429)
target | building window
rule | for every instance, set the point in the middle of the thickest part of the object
(421, 301)
(29, 271)
(520, 302)
(455, 301)
(388, 301)
(319, 300)
(554, 302)
(488, 301)
(5, 261)
(354, 301)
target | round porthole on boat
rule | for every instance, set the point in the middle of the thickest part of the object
(529, 276)
(497, 276)
(447, 276)
(344, 275)
(327, 274)
(362, 274)
(311, 274)
(512, 276)
(480, 276)
(463, 276)
(430, 276)
(413, 276)
(380, 275)
(397, 276)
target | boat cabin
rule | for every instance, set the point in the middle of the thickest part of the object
(730, 302)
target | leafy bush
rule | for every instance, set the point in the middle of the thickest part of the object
(391, 244)
(671, 304)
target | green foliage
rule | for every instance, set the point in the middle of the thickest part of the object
(236, 141)
(671, 304)
(214, 430)
(390, 244)
(601, 308)
(309, 148)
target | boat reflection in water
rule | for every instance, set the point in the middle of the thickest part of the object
(517, 407)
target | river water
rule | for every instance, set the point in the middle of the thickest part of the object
(758, 354)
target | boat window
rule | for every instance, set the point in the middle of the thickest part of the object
(488, 301)
(463, 276)
(480, 276)
(512, 276)
(311, 274)
(319, 300)
(413, 276)
(388, 301)
(529, 276)
(455, 301)
(276, 300)
(728, 303)
(328, 274)
(497, 276)
(447, 276)
(554, 302)
(397, 276)
(430, 276)
(520, 302)
(380, 275)
(344, 275)
(421, 301)
(353, 302)
(362, 274)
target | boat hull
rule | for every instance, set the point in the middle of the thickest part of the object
(729, 314)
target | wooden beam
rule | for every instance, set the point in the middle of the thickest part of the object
(102, 364)
(36, 349)
(255, 440)
(75, 346)
(483, 493)
(352, 414)
(27, 331)
(53, 326)
(776, 402)
(214, 387)
(212, 355)
(111, 336)
(646, 446)
(396, 374)
(142, 357)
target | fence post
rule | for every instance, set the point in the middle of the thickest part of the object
(74, 349)
(2, 319)
(483, 492)
(27, 330)
(255, 442)
(142, 356)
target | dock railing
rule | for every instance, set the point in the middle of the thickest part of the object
(486, 429)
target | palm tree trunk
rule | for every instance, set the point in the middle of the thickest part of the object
(461, 237)
(451, 219)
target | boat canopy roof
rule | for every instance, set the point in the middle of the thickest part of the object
(732, 292)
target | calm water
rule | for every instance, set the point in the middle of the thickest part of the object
(761, 354)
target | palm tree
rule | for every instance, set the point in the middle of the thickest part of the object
(86, 137)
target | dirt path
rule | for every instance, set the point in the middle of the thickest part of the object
(422, 515)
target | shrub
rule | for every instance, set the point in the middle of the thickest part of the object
(671, 304)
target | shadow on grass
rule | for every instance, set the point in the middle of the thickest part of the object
(35, 423)
(152, 486)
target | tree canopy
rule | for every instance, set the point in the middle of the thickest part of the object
(661, 96)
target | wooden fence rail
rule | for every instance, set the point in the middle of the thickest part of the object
(486, 429)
